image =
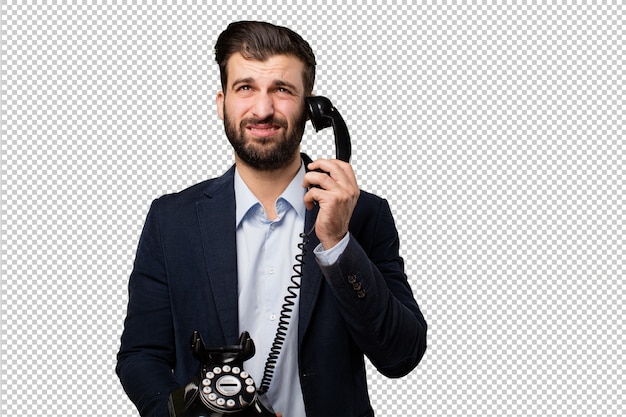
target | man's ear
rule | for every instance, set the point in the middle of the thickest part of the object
(219, 100)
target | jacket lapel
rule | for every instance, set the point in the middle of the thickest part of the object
(216, 215)
(311, 277)
(311, 273)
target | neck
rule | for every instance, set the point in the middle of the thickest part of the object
(267, 186)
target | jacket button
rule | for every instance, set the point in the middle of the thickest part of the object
(360, 294)
(356, 286)
(351, 278)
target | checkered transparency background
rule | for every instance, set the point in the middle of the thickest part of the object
(495, 131)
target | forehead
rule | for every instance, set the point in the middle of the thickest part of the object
(276, 68)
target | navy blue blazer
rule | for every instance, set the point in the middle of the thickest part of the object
(185, 278)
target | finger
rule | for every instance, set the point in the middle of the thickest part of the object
(314, 197)
(309, 199)
(321, 179)
(334, 167)
(341, 172)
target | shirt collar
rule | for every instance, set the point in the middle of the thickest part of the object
(245, 200)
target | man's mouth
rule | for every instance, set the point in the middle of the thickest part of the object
(264, 129)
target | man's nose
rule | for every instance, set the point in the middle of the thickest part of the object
(263, 106)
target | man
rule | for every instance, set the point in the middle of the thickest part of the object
(219, 256)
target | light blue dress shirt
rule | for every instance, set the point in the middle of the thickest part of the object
(266, 253)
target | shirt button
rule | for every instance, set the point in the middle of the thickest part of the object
(272, 226)
(271, 270)
(272, 317)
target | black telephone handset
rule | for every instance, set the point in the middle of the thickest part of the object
(323, 114)
(221, 387)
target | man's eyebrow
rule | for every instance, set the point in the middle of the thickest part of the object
(246, 80)
(282, 83)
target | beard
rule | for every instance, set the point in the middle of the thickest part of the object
(266, 154)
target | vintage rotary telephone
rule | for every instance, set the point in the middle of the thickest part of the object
(221, 387)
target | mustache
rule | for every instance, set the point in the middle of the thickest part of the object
(268, 120)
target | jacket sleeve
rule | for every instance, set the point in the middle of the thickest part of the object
(373, 294)
(146, 356)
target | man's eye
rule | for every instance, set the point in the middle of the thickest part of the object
(283, 90)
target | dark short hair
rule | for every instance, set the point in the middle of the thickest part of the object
(260, 41)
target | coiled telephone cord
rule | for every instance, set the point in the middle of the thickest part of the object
(285, 315)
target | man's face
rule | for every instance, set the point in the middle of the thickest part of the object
(263, 110)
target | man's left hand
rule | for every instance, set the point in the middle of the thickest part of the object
(337, 197)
